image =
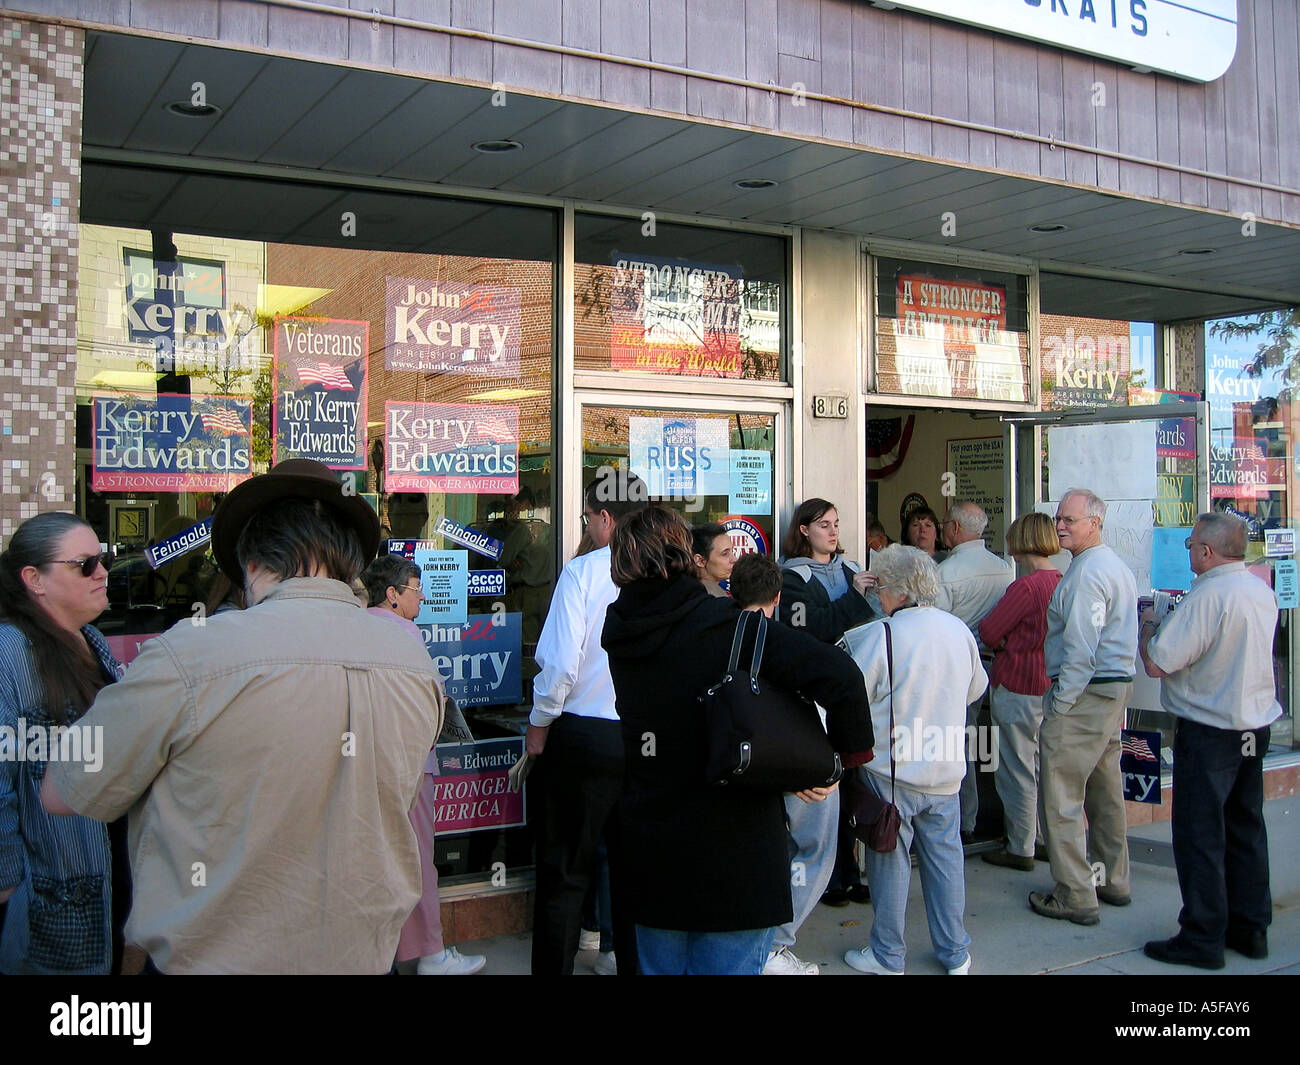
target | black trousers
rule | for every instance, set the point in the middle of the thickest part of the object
(573, 797)
(1220, 843)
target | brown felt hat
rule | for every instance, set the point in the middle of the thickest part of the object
(291, 479)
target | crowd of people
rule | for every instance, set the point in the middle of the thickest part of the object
(266, 801)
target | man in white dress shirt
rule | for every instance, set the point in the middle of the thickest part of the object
(575, 737)
(1215, 655)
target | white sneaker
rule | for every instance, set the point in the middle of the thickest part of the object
(606, 964)
(963, 969)
(865, 961)
(450, 962)
(784, 962)
(588, 940)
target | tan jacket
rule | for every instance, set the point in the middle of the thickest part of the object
(268, 759)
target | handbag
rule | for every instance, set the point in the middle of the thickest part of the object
(759, 736)
(874, 821)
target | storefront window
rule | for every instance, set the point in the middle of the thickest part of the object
(422, 373)
(1251, 365)
(951, 332)
(678, 300)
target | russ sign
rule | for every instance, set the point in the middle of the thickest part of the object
(452, 447)
(320, 391)
(452, 327)
(170, 443)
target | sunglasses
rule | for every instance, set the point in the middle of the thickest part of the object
(88, 565)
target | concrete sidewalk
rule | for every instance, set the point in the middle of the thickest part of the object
(1008, 938)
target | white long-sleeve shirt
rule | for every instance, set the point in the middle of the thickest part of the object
(971, 581)
(1092, 624)
(574, 677)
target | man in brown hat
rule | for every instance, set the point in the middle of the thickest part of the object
(268, 757)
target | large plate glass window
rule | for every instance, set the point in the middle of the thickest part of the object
(952, 332)
(407, 342)
(684, 301)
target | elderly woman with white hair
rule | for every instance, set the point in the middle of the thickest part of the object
(922, 669)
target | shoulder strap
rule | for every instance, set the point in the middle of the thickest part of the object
(889, 661)
(734, 660)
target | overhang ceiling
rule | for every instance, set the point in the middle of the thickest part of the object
(316, 117)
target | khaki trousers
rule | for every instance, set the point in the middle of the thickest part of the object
(1079, 775)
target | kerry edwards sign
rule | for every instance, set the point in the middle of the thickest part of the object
(320, 391)
(1193, 39)
(452, 447)
(170, 443)
(473, 789)
(452, 327)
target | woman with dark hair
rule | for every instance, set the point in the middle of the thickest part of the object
(393, 587)
(821, 593)
(921, 530)
(668, 641)
(713, 555)
(65, 883)
(825, 596)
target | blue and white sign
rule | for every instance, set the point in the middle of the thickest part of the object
(1285, 584)
(443, 587)
(751, 482)
(679, 457)
(182, 543)
(478, 661)
(473, 539)
(1193, 39)
(490, 582)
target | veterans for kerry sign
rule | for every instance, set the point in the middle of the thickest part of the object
(452, 327)
(170, 443)
(321, 376)
(451, 447)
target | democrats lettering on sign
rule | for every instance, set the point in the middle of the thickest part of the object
(478, 661)
(452, 447)
(170, 443)
(320, 375)
(472, 791)
(452, 327)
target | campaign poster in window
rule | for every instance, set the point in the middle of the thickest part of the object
(452, 327)
(681, 456)
(451, 447)
(320, 374)
(170, 443)
(478, 661)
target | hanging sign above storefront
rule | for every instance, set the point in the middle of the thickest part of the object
(675, 316)
(170, 443)
(452, 327)
(451, 447)
(1193, 39)
(320, 375)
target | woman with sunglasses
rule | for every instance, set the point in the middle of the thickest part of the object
(393, 587)
(56, 873)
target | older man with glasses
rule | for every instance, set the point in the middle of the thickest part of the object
(1215, 657)
(1089, 653)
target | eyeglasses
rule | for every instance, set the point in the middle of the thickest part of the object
(1072, 521)
(412, 588)
(88, 565)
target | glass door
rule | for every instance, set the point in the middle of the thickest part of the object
(1151, 466)
(711, 461)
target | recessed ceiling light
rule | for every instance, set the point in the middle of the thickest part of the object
(1197, 251)
(1049, 227)
(495, 147)
(189, 109)
(750, 184)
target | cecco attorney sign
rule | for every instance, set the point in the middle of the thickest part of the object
(1193, 39)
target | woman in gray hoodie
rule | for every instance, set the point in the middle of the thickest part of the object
(820, 592)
